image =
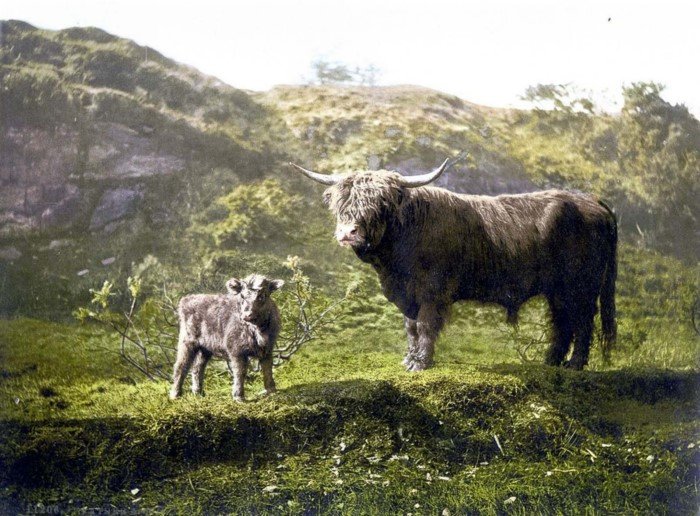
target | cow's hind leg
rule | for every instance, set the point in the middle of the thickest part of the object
(562, 332)
(412, 334)
(198, 366)
(583, 334)
(185, 356)
(430, 321)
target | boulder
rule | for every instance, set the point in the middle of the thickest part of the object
(114, 205)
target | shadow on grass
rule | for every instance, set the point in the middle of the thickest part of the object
(113, 452)
(436, 418)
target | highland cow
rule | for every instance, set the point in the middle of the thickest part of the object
(236, 326)
(431, 248)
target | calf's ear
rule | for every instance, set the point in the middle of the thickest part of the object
(234, 285)
(276, 284)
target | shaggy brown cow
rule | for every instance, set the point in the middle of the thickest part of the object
(235, 326)
(432, 247)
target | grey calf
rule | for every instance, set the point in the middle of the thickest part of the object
(240, 324)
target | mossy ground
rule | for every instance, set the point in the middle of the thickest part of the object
(348, 432)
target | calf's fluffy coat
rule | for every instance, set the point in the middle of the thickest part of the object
(240, 324)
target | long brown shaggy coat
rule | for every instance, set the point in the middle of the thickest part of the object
(432, 247)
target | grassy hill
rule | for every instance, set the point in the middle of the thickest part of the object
(349, 431)
(118, 162)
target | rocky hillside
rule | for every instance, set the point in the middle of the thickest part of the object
(89, 121)
(110, 152)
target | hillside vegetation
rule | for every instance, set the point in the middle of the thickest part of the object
(113, 152)
(117, 162)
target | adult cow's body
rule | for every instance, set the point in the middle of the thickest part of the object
(432, 247)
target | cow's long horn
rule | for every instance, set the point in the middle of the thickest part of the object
(321, 178)
(424, 179)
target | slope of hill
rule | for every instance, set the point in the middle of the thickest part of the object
(105, 148)
(405, 128)
(84, 112)
(110, 152)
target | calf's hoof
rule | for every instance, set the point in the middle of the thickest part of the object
(239, 399)
(174, 395)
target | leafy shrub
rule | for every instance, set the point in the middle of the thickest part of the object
(252, 211)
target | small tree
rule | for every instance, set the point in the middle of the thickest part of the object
(660, 143)
(557, 108)
(330, 73)
(145, 331)
(325, 72)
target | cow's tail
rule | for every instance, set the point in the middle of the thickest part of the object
(607, 291)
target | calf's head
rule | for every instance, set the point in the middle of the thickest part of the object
(254, 293)
(364, 202)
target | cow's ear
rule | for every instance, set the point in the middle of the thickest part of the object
(234, 286)
(276, 284)
(400, 196)
(327, 197)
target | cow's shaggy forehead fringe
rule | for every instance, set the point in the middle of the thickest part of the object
(363, 196)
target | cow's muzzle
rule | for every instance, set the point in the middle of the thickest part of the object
(349, 235)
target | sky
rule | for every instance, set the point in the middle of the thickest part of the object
(486, 52)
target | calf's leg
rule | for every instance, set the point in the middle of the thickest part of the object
(239, 366)
(199, 364)
(268, 380)
(185, 355)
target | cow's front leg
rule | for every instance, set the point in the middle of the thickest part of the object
(412, 335)
(268, 380)
(239, 366)
(431, 319)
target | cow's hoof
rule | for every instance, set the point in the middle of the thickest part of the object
(414, 366)
(408, 360)
(267, 392)
(174, 395)
(198, 393)
(239, 399)
(576, 365)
